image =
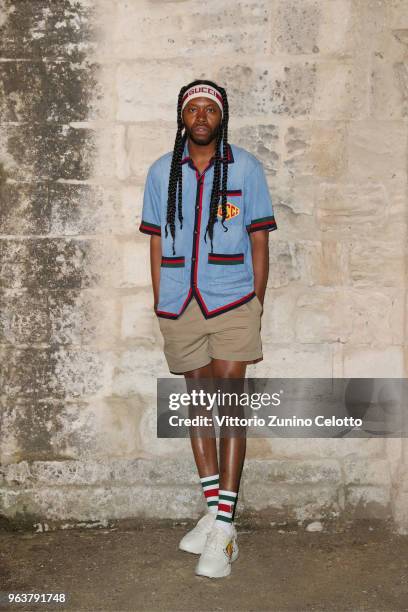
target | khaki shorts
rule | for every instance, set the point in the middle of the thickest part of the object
(191, 341)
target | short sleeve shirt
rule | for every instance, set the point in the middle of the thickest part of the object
(223, 279)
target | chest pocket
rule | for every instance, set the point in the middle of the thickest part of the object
(172, 268)
(227, 268)
(224, 267)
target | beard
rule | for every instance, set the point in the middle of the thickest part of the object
(203, 139)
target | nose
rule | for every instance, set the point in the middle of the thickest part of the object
(201, 116)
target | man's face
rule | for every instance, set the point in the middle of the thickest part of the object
(202, 120)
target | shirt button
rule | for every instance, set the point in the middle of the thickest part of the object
(193, 259)
(195, 231)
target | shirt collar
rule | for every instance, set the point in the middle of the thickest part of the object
(186, 157)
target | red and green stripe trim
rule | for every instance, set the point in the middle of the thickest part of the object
(226, 258)
(173, 262)
(150, 228)
(267, 223)
(231, 192)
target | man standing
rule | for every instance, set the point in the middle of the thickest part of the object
(208, 210)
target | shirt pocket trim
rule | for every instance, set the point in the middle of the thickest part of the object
(225, 259)
(173, 262)
(231, 192)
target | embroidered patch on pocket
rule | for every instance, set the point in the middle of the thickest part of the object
(232, 209)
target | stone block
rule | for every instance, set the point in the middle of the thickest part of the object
(135, 102)
(61, 91)
(152, 444)
(272, 472)
(24, 317)
(111, 471)
(312, 27)
(145, 143)
(136, 263)
(360, 471)
(136, 376)
(341, 90)
(371, 362)
(332, 448)
(83, 318)
(388, 92)
(85, 209)
(282, 264)
(139, 325)
(131, 204)
(101, 503)
(42, 430)
(346, 210)
(38, 30)
(293, 360)
(24, 208)
(315, 149)
(294, 502)
(49, 151)
(49, 263)
(277, 317)
(376, 265)
(262, 141)
(368, 502)
(376, 153)
(376, 316)
(168, 30)
(322, 316)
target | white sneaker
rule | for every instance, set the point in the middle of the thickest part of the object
(194, 540)
(220, 550)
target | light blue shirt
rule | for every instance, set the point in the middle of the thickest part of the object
(224, 279)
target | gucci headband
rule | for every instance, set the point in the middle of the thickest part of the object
(202, 91)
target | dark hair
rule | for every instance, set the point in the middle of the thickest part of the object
(176, 175)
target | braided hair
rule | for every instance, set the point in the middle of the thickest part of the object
(176, 176)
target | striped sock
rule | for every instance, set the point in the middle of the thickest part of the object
(210, 486)
(226, 504)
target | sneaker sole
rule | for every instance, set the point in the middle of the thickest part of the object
(227, 571)
(219, 575)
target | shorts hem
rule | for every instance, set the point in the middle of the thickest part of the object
(194, 366)
(240, 357)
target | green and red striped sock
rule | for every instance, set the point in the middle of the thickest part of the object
(210, 486)
(226, 504)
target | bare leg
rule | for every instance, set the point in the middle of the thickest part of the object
(232, 449)
(204, 446)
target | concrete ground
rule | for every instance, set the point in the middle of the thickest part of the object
(353, 567)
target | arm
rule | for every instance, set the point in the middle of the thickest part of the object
(150, 225)
(155, 262)
(259, 221)
(260, 262)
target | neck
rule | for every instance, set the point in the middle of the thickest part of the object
(201, 152)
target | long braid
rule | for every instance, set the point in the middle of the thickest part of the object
(225, 155)
(175, 190)
(180, 186)
(215, 195)
(175, 174)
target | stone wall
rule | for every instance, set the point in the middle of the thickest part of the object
(318, 91)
